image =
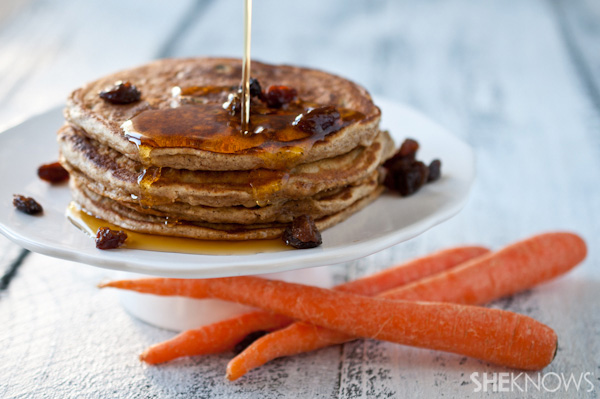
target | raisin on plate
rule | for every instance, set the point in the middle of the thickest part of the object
(110, 239)
(407, 179)
(409, 148)
(53, 173)
(27, 205)
(435, 170)
(405, 174)
(302, 233)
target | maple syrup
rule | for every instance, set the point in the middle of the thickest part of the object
(210, 127)
(150, 242)
(245, 121)
(146, 178)
(205, 124)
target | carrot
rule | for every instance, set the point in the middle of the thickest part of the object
(493, 335)
(224, 335)
(297, 338)
(508, 271)
(214, 338)
(489, 277)
(412, 271)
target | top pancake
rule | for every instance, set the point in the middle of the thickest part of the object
(102, 121)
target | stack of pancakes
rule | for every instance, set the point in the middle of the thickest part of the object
(187, 190)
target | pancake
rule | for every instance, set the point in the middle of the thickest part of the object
(127, 218)
(177, 161)
(322, 204)
(114, 175)
(103, 121)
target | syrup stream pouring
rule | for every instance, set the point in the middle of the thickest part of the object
(246, 68)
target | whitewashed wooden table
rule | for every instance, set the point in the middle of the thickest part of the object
(517, 79)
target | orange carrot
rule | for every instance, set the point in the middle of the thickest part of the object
(214, 338)
(512, 269)
(297, 338)
(508, 271)
(412, 271)
(224, 335)
(493, 335)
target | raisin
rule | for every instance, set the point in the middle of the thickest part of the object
(435, 170)
(412, 179)
(278, 96)
(53, 173)
(121, 93)
(27, 205)
(110, 239)
(409, 148)
(255, 89)
(405, 174)
(318, 120)
(302, 233)
(398, 163)
(247, 341)
(389, 180)
(407, 179)
(406, 154)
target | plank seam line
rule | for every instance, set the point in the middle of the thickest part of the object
(337, 388)
(182, 27)
(12, 269)
(585, 74)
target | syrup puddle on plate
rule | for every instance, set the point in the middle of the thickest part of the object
(150, 242)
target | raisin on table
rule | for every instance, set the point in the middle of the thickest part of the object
(27, 205)
(110, 239)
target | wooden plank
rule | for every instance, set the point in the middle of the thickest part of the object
(50, 48)
(11, 257)
(580, 23)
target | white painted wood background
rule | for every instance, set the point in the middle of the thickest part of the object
(517, 79)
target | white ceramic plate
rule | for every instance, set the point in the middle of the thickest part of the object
(388, 221)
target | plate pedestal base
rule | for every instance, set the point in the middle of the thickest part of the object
(178, 313)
